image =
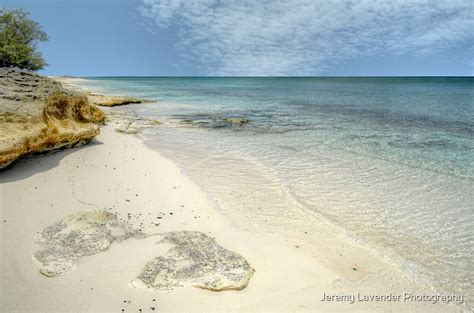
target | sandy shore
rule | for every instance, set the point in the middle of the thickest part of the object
(118, 173)
(105, 174)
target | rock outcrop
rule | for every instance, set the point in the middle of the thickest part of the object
(112, 101)
(38, 115)
(236, 120)
(86, 233)
(195, 260)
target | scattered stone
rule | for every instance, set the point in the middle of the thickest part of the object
(195, 260)
(82, 234)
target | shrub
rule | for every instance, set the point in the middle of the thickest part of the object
(19, 37)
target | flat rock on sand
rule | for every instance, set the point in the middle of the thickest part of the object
(86, 233)
(195, 260)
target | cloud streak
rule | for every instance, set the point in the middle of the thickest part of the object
(306, 37)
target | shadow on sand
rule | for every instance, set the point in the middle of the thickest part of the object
(31, 165)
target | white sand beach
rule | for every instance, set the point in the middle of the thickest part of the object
(106, 174)
(117, 173)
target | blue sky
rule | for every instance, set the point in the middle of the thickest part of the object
(259, 37)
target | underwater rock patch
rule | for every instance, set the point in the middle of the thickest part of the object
(209, 121)
(82, 234)
(195, 260)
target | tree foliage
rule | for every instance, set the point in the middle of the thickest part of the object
(19, 37)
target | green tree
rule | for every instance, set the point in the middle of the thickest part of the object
(19, 37)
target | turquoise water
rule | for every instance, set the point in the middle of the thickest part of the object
(388, 160)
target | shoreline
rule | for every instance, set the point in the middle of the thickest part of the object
(287, 278)
(101, 281)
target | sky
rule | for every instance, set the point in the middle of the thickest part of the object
(255, 37)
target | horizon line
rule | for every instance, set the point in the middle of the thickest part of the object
(218, 76)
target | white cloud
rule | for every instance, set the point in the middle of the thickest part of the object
(304, 37)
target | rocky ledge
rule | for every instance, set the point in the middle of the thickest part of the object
(112, 101)
(38, 115)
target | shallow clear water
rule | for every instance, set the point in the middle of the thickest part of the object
(388, 160)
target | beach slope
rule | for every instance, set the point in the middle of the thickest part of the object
(119, 174)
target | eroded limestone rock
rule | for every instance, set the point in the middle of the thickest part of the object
(37, 114)
(112, 101)
(236, 121)
(86, 233)
(195, 260)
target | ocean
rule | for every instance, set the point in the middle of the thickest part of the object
(387, 161)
